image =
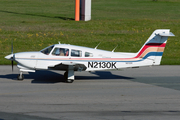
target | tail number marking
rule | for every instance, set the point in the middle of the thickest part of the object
(101, 64)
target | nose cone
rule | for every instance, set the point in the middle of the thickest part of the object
(9, 57)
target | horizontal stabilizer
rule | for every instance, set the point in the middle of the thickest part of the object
(166, 34)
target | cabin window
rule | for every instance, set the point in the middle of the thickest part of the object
(61, 52)
(87, 54)
(47, 50)
(76, 53)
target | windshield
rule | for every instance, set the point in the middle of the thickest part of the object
(47, 50)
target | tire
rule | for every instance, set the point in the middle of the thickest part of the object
(66, 78)
(69, 81)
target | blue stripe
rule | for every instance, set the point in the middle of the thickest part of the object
(153, 54)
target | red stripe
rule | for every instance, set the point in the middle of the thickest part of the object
(156, 44)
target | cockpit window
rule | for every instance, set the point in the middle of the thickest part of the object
(87, 54)
(47, 50)
(61, 52)
(76, 53)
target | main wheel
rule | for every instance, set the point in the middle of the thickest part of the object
(20, 77)
(66, 78)
(69, 81)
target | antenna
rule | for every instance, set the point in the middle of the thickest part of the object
(114, 48)
(59, 43)
(97, 45)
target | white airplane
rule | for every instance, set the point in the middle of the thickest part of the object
(70, 58)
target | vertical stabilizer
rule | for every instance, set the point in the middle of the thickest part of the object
(154, 47)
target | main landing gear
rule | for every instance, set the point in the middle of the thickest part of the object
(69, 76)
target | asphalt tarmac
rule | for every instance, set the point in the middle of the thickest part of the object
(144, 93)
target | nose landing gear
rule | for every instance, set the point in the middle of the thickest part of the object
(20, 76)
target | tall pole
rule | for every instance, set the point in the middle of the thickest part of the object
(77, 10)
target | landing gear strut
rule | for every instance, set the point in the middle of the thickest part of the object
(69, 76)
(20, 76)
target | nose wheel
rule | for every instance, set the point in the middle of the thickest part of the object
(20, 76)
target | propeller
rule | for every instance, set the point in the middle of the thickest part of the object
(12, 58)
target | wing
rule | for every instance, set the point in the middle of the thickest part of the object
(69, 65)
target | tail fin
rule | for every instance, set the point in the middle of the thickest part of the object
(154, 47)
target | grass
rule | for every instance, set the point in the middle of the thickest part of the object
(35, 24)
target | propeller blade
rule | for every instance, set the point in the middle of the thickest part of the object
(12, 64)
(12, 47)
